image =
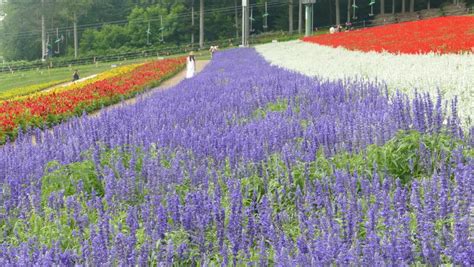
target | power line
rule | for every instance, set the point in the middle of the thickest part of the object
(226, 10)
(184, 15)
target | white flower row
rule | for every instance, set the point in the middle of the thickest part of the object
(452, 74)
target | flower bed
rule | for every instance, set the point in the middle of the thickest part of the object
(450, 75)
(440, 35)
(56, 105)
(22, 91)
(245, 164)
(77, 85)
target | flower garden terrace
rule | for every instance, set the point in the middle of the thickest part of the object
(52, 106)
(444, 35)
(247, 163)
(449, 75)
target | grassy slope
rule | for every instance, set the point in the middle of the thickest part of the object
(31, 77)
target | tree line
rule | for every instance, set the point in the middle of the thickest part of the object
(95, 27)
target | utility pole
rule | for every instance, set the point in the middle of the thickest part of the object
(371, 4)
(236, 11)
(43, 33)
(290, 16)
(354, 7)
(201, 24)
(300, 16)
(162, 29)
(75, 35)
(265, 17)
(148, 32)
(309, 16)
(245, 23)
(48, 46)
(68, 35)
(57, 39)
(348, 11)
(192, 24)
(251, 19)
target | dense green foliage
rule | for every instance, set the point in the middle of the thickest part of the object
(120, 26)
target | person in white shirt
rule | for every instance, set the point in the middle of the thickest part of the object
(213, 49)
(190, 65)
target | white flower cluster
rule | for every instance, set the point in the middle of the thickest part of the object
(452, 75)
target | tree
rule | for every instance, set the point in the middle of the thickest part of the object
(108, 38)
(412, 5)
(73, 10)
(19, 37)
(382, 7)
(219, 25)
(172, 30)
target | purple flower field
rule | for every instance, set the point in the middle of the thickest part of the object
(245, 164)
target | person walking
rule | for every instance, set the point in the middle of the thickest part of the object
(75, 76)
(213, 50)
(190, 65)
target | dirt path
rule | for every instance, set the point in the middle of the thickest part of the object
(69, 83)
(200, 65)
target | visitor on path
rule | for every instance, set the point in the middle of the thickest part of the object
(190, 65)
(213, 49)
(75, 76)
(348, 26)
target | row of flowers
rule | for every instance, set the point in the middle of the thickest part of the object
(440, 35)
(24, 92)
(114, 72)
(27, 90)
(451, 75)
(51, 107)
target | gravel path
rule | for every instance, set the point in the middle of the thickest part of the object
(69, 83)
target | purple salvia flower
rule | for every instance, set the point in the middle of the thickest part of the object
(461, 250)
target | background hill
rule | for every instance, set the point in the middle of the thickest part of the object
(120, 26)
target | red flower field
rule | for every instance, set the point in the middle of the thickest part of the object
(52, 108)
(441, 35)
